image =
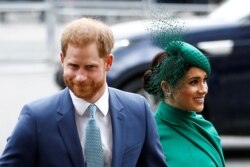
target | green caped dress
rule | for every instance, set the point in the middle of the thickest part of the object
(188, 139)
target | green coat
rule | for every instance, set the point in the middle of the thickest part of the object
(188, 139)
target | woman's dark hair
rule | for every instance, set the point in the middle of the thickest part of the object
(157, 60)
(164, 68)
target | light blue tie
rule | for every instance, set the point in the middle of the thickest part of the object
(93, 145)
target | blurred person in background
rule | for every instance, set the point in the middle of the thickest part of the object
(51, 131)
(178, 76)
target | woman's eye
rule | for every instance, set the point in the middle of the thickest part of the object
(193, 82)
(205, 79)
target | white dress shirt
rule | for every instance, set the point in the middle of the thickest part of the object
(103, 119)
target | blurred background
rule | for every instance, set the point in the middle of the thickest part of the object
(29, 56)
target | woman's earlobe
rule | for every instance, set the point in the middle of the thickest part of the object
(166, 89)
(164, 85)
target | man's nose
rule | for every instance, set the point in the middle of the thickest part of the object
(81, 75)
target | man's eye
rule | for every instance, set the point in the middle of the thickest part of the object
(74, 66)
(90, 66)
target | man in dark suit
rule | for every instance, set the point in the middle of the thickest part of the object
(51, 131)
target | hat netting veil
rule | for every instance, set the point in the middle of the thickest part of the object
(167, 32)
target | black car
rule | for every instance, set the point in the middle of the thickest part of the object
(223, 35)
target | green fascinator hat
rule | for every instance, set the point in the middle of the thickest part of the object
(180, 57)
(190, 54)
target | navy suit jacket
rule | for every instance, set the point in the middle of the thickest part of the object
(46, 134)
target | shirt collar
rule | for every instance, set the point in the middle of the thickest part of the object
(81, 105)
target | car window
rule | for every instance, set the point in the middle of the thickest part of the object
(232, 10)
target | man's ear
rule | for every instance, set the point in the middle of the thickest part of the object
(109, 61)
(62, 56)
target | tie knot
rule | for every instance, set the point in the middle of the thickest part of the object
(92, 110)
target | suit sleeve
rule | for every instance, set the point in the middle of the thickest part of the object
(21, 145)
(152, 154)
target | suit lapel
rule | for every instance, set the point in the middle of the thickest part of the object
(68, 130)
(118, 125)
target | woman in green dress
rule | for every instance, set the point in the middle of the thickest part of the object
(178, 76)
